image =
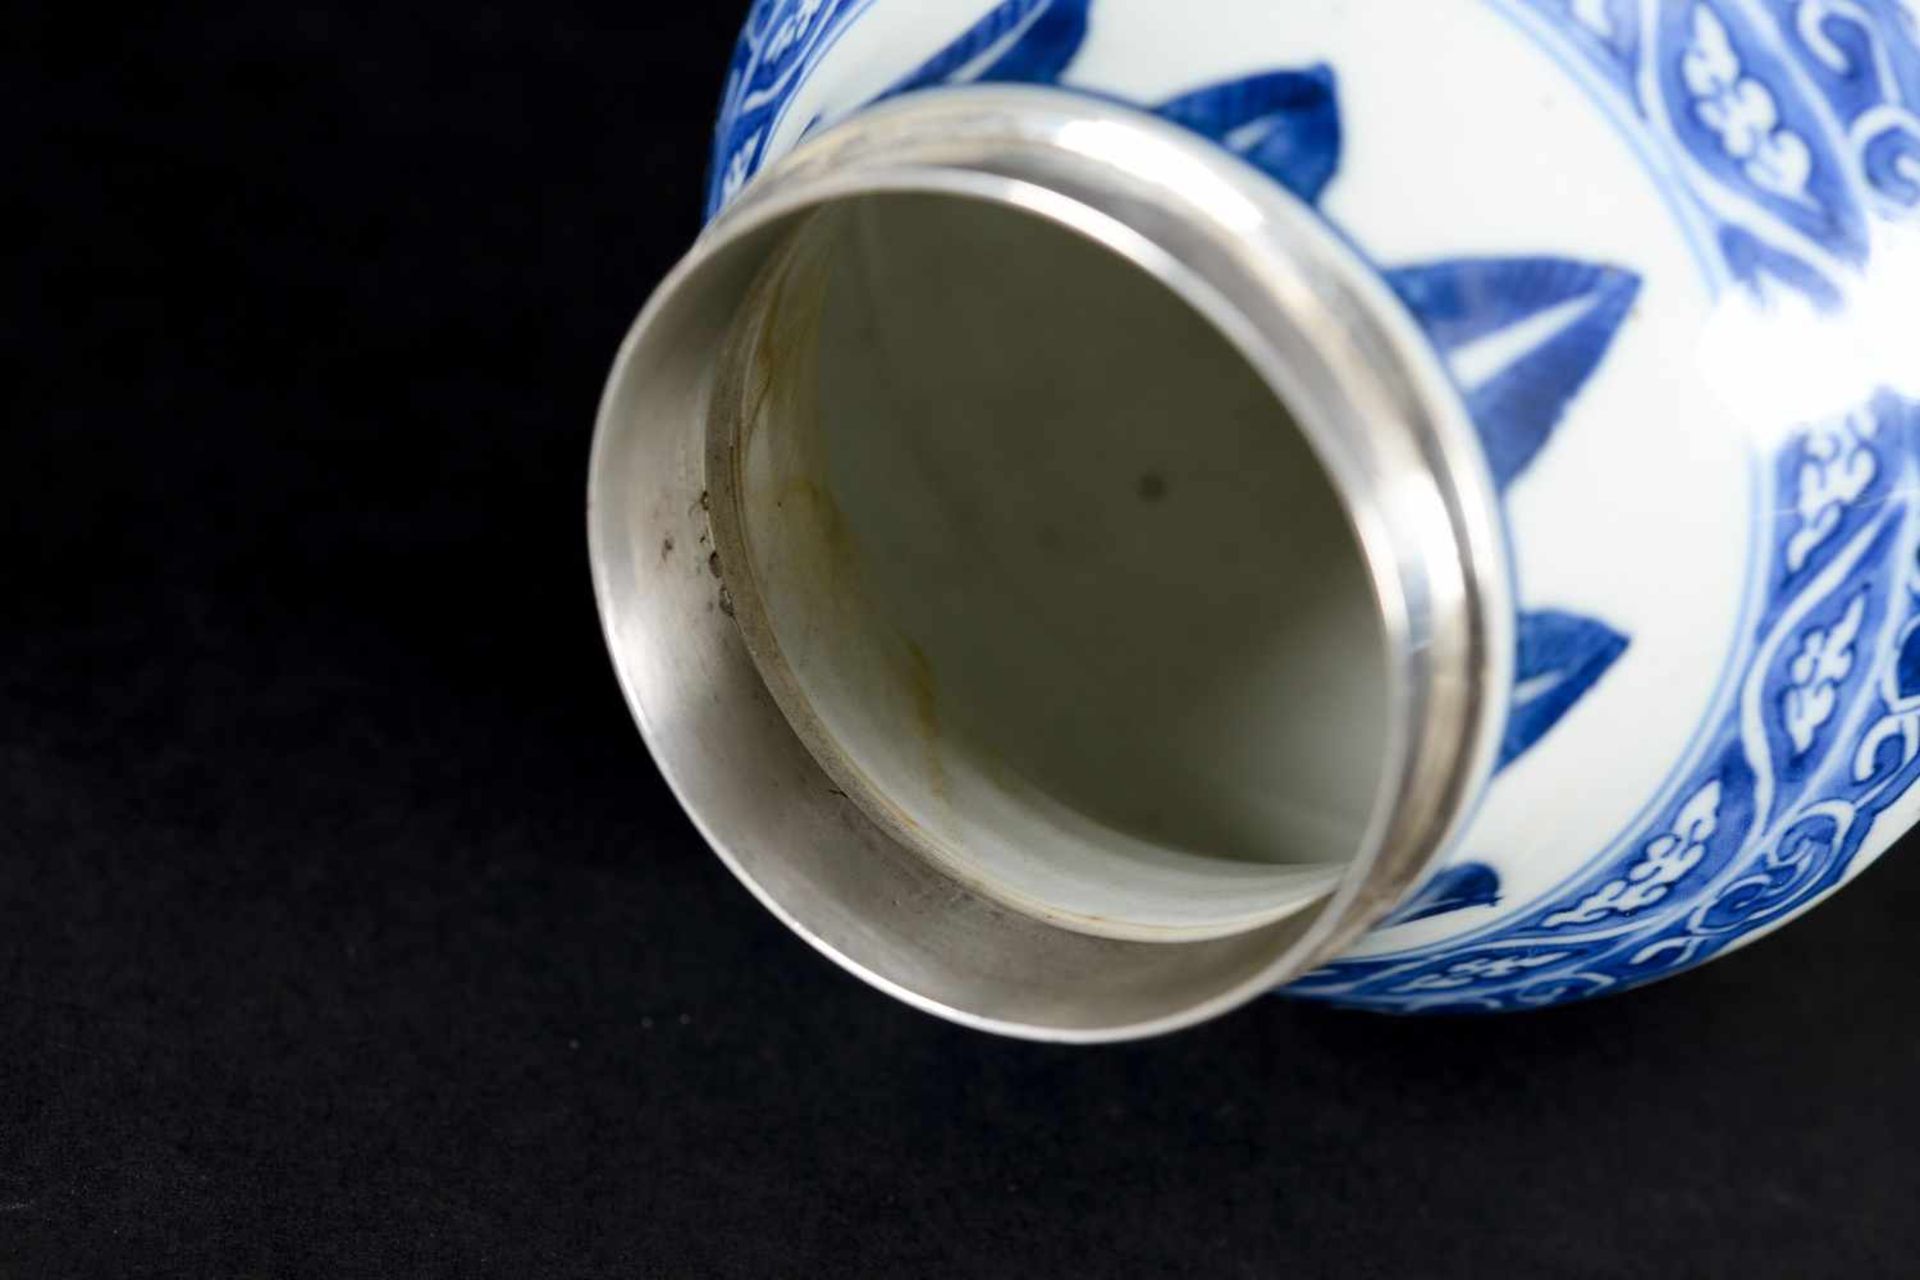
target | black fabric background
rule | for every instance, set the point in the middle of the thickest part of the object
(346, 929)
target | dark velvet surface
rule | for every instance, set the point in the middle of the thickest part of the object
(346, 929)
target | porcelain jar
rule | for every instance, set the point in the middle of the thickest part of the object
(1129, 506)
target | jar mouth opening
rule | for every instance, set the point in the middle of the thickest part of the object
(1044, 574)
(865, 644)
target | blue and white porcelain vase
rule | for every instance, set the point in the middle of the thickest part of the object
(1415, 503)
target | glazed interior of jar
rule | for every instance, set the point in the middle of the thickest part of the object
(1045, 575)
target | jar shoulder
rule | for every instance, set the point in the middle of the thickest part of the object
(1667, 250)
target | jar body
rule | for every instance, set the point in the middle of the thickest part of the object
(1669, 252)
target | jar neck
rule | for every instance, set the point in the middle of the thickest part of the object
(776, 740)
